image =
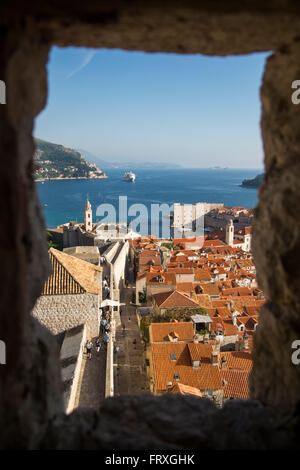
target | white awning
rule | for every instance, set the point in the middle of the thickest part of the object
(110, 303)
(201, 318)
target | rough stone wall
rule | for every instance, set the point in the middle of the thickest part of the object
(57, 238)
(76, 237)
(119, 265)
(182, 26)
(276, 236)
(76, 382)
(30, 383)
(171, 422)
(59, 313)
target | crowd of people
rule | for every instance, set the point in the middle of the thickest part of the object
(104, 335)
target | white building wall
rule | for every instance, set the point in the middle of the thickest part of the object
(186, 214)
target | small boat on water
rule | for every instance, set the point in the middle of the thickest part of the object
(129, 176)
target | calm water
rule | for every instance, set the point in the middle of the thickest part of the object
(65, 199)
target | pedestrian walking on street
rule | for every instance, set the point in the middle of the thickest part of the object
(123, 326)
(98, 344)
(89, 346)
(102, 325)
(106, 338)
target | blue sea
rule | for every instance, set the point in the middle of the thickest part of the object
(64, 200)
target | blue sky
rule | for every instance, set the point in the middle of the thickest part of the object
(193, 110)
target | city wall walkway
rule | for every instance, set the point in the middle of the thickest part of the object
(129, 358)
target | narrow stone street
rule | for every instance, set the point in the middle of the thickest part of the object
(93, 372)
(129, 358)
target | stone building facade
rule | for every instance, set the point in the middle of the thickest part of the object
(59, 313)
(71, 295)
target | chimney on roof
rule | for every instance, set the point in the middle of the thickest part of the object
(239, 344)
(215, 355)
(206, 338)
(233, 316)
(246, 341)
(173, 336)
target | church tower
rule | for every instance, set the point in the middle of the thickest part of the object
(229, 233)
(88, 216)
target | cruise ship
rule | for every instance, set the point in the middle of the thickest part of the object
(130, 177)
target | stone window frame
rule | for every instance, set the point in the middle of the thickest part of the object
(214, 29)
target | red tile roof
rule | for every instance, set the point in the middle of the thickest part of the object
(173, 299)
(185, 390)
(236, 383)
(183, 330)
(71, 275)
(237, 359)
(207, 377)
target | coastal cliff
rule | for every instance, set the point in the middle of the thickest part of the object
(55, 162)
(254, 182)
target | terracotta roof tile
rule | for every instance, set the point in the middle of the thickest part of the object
(160, 331)
(173, 299)
(237, 360)
(204, 301)
(236, 383)
(70, 275)
(160, 278)
(185, 390)
(207, 377)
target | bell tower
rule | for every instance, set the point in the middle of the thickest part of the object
(88, 216)
(229, 233)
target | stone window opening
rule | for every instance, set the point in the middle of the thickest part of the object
(31, 377)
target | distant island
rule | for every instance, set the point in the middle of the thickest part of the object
(56, 162)
(254, 182)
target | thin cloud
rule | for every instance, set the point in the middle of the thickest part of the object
(86, 60)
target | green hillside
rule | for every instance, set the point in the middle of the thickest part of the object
(57, 161)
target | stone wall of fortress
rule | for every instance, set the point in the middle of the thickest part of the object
(76, 237)
(222, 220)
(59, 313)
(119, 265)
(209, 206)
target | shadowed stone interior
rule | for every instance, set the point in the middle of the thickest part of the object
(31, 412)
